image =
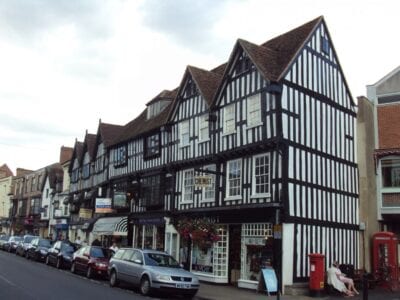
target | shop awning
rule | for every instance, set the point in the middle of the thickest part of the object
(111, 226)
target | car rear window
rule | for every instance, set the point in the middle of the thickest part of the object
(98, 252)
(28, 239)
(44, 243)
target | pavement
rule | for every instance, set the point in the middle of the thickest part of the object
(225, 292)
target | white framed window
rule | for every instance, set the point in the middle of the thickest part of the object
(229, 119)
(203, 128)
(184, 133)
(209, 192)
(254, 110)
(234, 179)
(261, 175)
(188, 185)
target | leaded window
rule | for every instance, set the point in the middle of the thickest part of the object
(234, 178)
(152, 145)
(188, 185)
(229, 119)
(261, 174)
(203, 128)
(253, 110)
(184, 133)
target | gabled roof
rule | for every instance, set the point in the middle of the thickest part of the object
(108, 133)
(78, 154)
(289, 44)
(89, 145)
(6, 171)
(164, 95)
(273, 58)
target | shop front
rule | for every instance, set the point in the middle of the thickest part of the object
(148, 231)
(58, 228)
(111, 229)
(230, 248)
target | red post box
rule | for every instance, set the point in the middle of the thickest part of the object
(317, 274)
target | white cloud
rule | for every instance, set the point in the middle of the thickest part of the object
(67, 63)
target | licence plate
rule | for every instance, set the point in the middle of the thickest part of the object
(183, 286)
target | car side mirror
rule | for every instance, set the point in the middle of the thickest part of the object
(137, 261)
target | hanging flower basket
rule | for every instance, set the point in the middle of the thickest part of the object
(203, 232)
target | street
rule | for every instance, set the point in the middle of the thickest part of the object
(25, 279)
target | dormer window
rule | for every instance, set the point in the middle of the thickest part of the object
(156, 108)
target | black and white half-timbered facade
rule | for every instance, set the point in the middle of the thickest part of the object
(271, 132)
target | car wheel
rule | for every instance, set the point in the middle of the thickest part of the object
(89, 272)
(59, 263)
(145, 286)
(47, 260)
(113, 279)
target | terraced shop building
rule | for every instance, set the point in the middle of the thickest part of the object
(247, 164)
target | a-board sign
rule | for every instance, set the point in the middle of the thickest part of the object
(270, 280)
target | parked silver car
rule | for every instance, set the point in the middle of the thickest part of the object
(151, 270)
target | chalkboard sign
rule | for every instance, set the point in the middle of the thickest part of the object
(270, 280)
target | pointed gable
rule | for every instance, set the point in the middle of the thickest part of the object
(108, 133)
(288, 45)
(76, 155)
(196, 80)
(89, 145)
(65, 154)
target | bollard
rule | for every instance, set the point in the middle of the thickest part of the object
(365, 286)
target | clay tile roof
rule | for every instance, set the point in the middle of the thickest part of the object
(90, 143)
(109, 132)
(206, 81)
(264, 58)
(6, 171)
(164, 95)
(66, 154)
(141, 125)
(288, 44)
(79, 150)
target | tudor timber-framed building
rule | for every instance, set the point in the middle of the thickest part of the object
(274, 129)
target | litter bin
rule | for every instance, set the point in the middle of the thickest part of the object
(317, 274)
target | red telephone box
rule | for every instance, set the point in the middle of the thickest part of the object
(385, 259)
(317, 274)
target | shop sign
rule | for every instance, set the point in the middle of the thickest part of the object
(85, 213)
(103, 205)
(204, 181)
(259, 241)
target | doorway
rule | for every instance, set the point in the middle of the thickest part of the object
(235, 231)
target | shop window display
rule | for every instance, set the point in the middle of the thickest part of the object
(202, 259)
(257, 250)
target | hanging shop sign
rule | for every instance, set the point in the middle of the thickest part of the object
(85, 213)
(103, 205)
(203, 181)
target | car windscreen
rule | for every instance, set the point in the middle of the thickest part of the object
(98, 252)
(16, 239)
(28, 239)
(160, 260)
(44, 243)
(4, 238)
(67, 248)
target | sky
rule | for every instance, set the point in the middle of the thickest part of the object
(66, 64)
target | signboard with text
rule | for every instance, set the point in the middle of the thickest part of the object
(103, 205)
(85, 213)
(203, 181)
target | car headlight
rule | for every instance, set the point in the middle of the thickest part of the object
(67, 258)
(101, 265)
(163, 277)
